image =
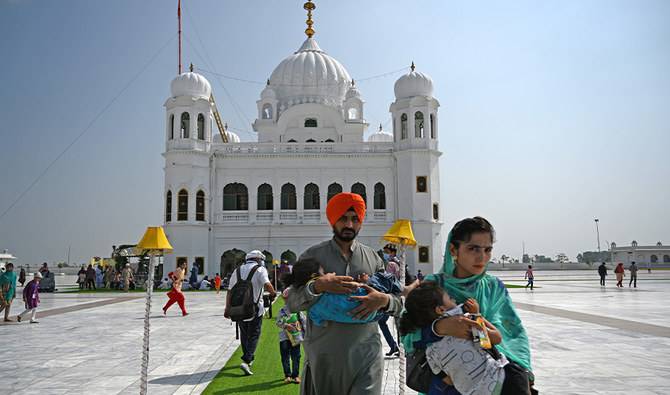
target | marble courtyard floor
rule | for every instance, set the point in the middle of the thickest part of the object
(585, 340)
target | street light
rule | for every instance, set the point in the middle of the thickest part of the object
(598, 235)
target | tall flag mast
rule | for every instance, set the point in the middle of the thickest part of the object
(179, 26)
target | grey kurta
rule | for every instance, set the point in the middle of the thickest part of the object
(342, 358)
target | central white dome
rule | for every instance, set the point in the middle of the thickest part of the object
(310, 76)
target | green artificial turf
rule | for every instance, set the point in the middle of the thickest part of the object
(268, 377)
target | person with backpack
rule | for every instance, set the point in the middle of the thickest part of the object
(244, 303)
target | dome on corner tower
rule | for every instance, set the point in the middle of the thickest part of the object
(190, 84)
(310, 75)
(381, 136)
(414, 83)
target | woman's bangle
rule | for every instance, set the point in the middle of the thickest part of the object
(310, 290)
(432, 327)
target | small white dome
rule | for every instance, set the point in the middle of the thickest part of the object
(190, 84)
(381, 136)
(310, 74)
(232, 138)
(353, 92)
(414, 83)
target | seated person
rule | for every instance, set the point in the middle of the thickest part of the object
(204, 284)
(165, 284)
(446, 357)
(337, 307)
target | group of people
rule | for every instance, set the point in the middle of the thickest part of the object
(341, 292)
(620, 273)
(94, 277)
(30, 294)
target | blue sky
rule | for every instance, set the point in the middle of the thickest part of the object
(552, 113)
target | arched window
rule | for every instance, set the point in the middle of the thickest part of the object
(666, 258)
(292, 141)
(200, 206)
(380, 197)
(266, 113)
(352, 113)
(311, 197)
(182, 205)
(329, 141)
(432, 126)
(171, 126)
(235, 197)
(359, 189)
(310, 123)
(201, 127)
(264, 197)
(168, 206)
(310, 141)
(288, 199)
(334, 189)
(185, 124)
(403, 126)
(653, 259)
(418, 124)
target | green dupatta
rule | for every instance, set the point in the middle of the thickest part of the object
(495, 305)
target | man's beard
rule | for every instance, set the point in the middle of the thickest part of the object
(346, 234)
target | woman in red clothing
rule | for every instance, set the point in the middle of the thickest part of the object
(176, 295)
(619, 271)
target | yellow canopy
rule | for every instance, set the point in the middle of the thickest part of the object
(401, 233)
(154, 239)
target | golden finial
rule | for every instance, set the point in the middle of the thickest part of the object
(191, 67)
(412, 66)
(309, 6)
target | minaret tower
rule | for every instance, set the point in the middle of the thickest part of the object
(415, 131)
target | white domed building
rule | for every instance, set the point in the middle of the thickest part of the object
(222, 198)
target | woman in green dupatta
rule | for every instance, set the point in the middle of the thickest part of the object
(464, 276)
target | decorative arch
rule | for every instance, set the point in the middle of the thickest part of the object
(200, 206)
(266, 112)
(201, 127)
(380, 197)
(168, 206)
(359, 189)
(185, 124)
(235, 197)
(311, 123)
(230, 260)
(182, 205)
(653, 259)
(418, 124)
(288, 197)
(333, 189)
(310, 141)
(171, 127)
(265, 198)
(311, 199)
(352, 113)
(666, 258)
(403, 126)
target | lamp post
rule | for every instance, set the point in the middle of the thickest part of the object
(400, 233)
(155, 244)
(598, 235)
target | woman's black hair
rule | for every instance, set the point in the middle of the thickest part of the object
(463, 230)
(420, 307)
(303, 271)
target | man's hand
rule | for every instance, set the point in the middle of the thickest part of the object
(457, 326)
(370, 303)
(226, 313)
(335, 284)
(471, 306)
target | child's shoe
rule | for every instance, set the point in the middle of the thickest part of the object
(288, 380)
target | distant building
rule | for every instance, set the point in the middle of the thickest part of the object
(640, 254)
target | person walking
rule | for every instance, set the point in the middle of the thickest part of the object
(619, 272)
(633, 274)
(393, 268)
(291, 336)
(31, 298)
(127, 277)
(530, 276)
(22, 276)
(193, 280)
(343, 358)
(7, 289)
(175, 295)
(81, 277)
(217, 283)
(109, 276)
(252, 271)
(90, 277)
(602, 271)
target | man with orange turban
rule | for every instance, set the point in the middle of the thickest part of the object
(343, 358)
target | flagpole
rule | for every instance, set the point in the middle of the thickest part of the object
(179, 27)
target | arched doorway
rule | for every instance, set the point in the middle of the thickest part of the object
(230, 260)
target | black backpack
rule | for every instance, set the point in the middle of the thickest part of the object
(242, 303)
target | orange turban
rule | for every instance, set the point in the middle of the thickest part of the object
(341, 203)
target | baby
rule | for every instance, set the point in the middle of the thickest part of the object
(338, 307)
(468, 366)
